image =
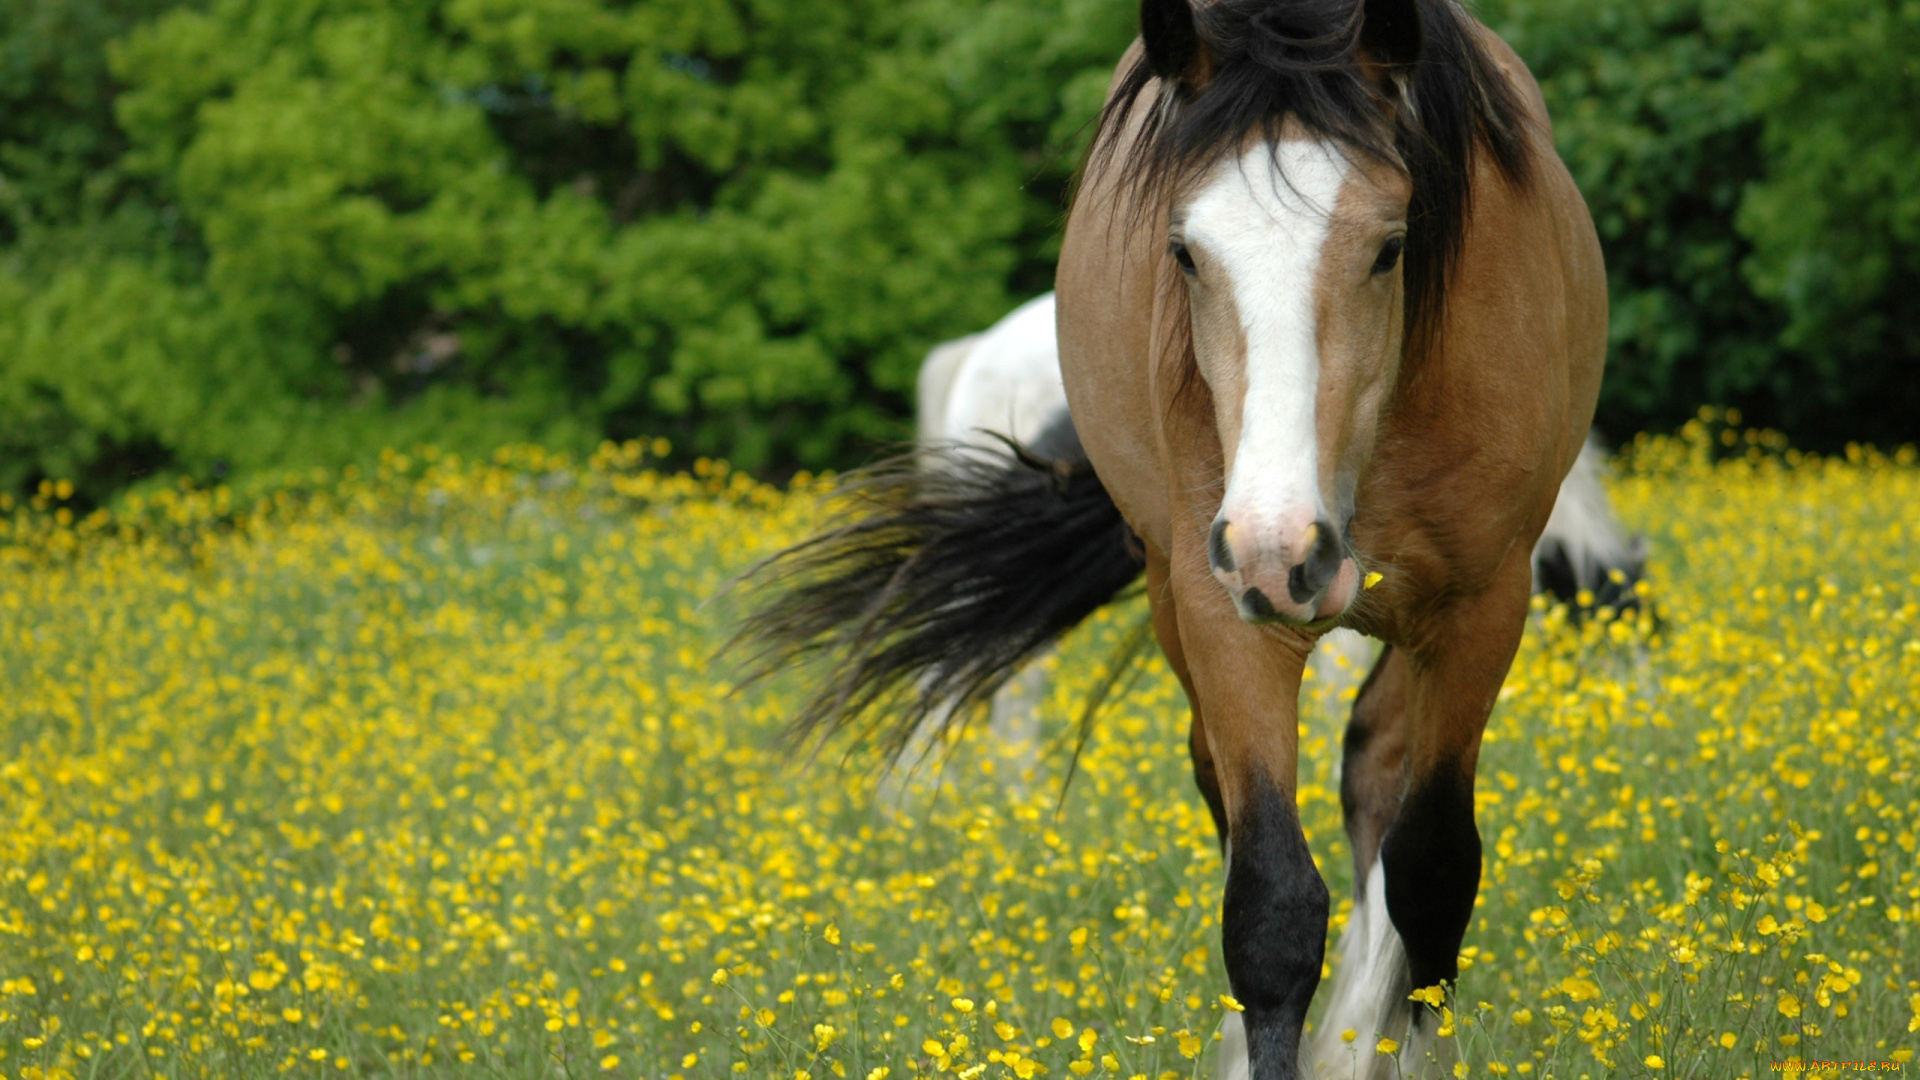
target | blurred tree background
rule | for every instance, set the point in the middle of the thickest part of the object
(240, 234)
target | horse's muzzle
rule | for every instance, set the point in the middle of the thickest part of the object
(1276, 574)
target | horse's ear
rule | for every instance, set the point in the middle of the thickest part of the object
(1390, 31)
(1172, 40)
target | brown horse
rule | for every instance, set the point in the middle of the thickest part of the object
(1332, 318)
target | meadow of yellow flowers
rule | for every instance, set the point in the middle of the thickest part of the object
(434, 770)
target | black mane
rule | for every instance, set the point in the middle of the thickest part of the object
(1261, 61)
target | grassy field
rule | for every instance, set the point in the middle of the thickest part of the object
(433, 771)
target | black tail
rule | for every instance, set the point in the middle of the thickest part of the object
(952, 579)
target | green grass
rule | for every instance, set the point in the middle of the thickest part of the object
(432, 771)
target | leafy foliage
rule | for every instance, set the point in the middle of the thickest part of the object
(1835, 216)
(473, 221)
(256, 233)
(1752, 170)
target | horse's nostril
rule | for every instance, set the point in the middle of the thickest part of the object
(1298, 585)
(1305, 581)
(1257, 604)
(1218, 549)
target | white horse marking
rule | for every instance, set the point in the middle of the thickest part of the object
(1006, 383)
(1370, 998)
(1263, 219)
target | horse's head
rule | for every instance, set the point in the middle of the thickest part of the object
(1291, 254)
(1290, 243)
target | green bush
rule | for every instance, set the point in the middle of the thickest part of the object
(1753, 170)
(344, 222)
(238, 234)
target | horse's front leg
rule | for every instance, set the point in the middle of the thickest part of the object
(1431, 852)
(1412, 751)
(1166, 630)
(1274, 914)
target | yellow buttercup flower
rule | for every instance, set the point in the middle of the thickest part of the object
(442, 764)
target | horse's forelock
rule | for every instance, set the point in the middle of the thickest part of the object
(1306, 59)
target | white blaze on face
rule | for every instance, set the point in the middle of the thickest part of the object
(1263, 220)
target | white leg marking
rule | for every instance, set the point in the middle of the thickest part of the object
(1232, 1063)
(1370, 990)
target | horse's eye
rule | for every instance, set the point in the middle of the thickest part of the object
(1184, 257)
(1389, 255)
